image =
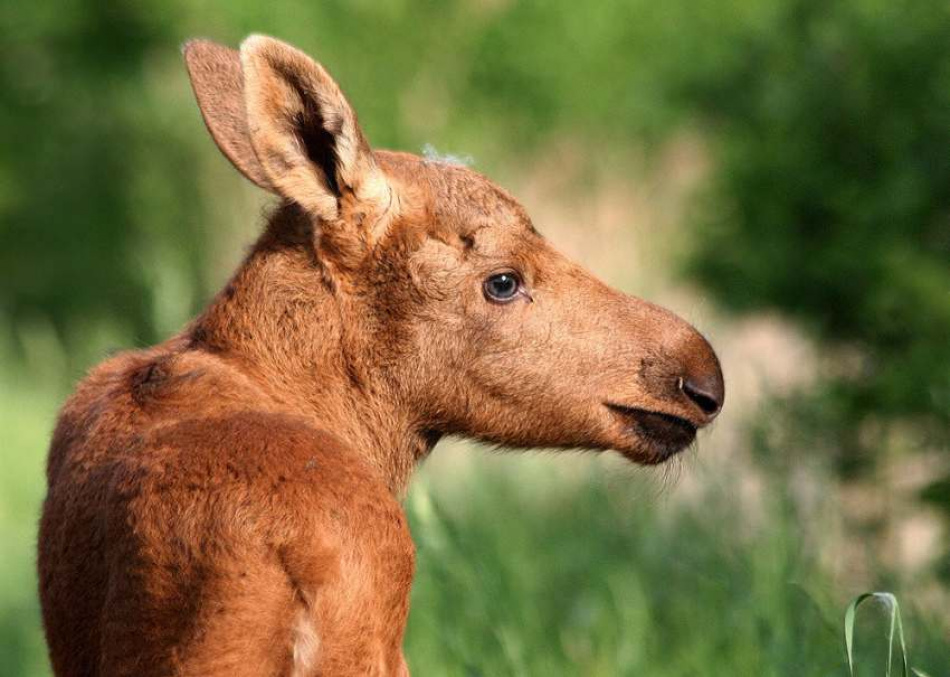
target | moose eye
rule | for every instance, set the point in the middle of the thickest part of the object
(502, 287)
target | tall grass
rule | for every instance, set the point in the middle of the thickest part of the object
(527, 574)
(27, 406)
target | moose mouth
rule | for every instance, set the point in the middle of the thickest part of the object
(665, 434)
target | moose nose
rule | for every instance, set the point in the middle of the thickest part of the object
(706, 391)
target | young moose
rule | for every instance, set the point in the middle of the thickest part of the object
(226, 503)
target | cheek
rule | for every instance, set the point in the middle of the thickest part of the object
(445, 322)
(510, 346)
(528, 346)
(457, 341)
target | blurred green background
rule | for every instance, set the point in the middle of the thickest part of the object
(777, 171)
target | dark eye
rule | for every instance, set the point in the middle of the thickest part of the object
(502, 287)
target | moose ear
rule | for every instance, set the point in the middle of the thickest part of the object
(218, 83)
(304, 132)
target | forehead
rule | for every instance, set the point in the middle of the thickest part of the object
(457, 201)
(474, 202)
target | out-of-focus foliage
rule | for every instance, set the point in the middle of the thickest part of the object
(603, 583)
(102, 217)
(832, 203)
(90, 178)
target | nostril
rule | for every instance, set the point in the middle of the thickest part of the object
(706, 400)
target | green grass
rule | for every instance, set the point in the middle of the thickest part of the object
(601, 577)
(26, 415)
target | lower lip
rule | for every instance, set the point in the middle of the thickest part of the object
(666, 433)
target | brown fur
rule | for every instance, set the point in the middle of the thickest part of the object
(227, 502)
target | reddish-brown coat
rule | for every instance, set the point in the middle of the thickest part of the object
(227, 502)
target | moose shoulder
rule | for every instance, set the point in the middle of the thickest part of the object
(227, 502)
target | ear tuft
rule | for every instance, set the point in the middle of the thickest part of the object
(218, 84)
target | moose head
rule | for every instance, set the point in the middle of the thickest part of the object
(444, 307)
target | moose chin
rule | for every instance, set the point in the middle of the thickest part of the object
(227, 502)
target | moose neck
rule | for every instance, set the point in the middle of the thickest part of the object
(280, 320)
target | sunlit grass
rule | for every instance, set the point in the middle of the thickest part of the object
(588, 582)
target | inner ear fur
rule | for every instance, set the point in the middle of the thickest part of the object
(304, 132)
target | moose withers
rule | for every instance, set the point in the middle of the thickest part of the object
(227, 502)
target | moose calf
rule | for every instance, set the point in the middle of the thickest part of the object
(226, 503)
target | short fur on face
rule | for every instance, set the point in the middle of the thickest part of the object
(537, 371)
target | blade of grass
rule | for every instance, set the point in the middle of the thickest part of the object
(890, 601)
